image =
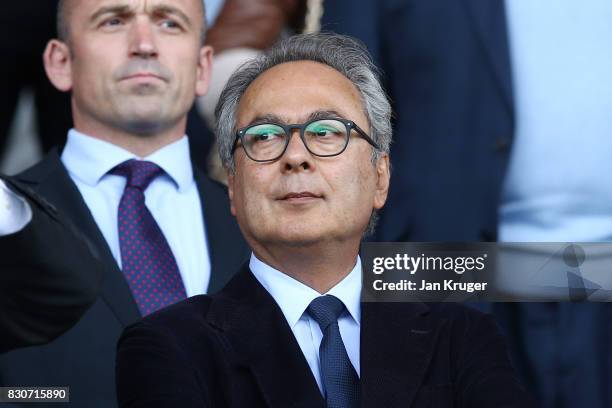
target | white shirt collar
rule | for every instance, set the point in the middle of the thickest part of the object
(293, 297)
(90, 159)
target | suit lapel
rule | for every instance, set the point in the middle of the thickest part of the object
(397, 344)
(51, 180)
(489, 20)
(264, 343)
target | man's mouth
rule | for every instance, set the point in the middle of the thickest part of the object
(301, 196)
(144, 76)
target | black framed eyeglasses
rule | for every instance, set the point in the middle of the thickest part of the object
(323, 137)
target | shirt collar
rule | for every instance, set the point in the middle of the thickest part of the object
(293, 297)
(90, 159)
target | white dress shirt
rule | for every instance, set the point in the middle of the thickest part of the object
(293, 297)
(173, 200)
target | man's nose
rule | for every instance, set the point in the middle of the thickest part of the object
(296, 155)
(143, 42)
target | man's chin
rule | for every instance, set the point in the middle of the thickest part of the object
(303, 237)
(145, 124)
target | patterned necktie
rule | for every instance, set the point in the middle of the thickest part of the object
(339, 377)
(147, 260)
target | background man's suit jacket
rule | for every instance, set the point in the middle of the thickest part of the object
(84, 357)
(44, 294)
(235, 349)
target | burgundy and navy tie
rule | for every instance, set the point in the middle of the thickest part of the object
(147, 260)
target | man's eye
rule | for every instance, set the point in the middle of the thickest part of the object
(112, 22)
(264, 133)
(265, 137)
(170, 24)
(323, 132)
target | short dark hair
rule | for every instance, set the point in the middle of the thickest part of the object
(63, 29)
(62, 20)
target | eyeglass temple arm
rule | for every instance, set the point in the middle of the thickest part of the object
(365, 135)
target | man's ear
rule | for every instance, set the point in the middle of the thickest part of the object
(204, 69)
(230, 190)
(383, 173)
(58, 65)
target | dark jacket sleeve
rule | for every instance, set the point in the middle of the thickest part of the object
(49, 276)
(484, 374)
(154, 371)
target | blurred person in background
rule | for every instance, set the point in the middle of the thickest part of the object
(162, 230)
(36, 22)
(503, 132)
(242, 30)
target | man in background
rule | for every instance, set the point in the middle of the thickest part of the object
(125, 179)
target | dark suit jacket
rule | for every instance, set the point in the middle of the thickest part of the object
(84, 357)
(44, 294)
(235, 349)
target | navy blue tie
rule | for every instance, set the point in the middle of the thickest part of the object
(339, 377)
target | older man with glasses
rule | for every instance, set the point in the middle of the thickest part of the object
(305, 182)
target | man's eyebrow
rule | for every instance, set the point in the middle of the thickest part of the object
(166, 9)
(319, 114)
(116, 10)
(160, 10)
(267, 118)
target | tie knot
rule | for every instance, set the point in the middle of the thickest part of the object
(139, 173)
(325, 310)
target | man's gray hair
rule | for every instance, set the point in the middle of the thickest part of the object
(345, 54)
